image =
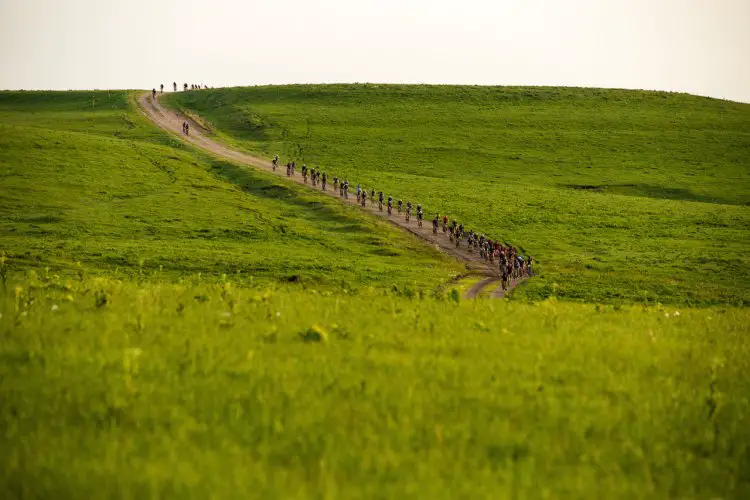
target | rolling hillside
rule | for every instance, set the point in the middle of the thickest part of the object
(620, 195)
(86, 179)
(175, 326)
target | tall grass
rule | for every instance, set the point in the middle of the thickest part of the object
(110, 388)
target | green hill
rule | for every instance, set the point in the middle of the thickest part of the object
(619, 194)
(84, 178)
(174, 326)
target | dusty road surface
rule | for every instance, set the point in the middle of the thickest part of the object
(172, 121)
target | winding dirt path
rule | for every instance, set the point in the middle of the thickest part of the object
(171, 121)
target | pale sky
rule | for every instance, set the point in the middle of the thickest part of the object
(696, 46)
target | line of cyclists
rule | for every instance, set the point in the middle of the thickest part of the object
(193, 86)
(511, 264)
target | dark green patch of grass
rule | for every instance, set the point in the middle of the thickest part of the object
(653, 191)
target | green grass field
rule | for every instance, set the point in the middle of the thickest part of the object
(86, 179)
(621, 195)
(173, 326)
(113, 389)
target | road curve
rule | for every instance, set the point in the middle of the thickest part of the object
(171, 121)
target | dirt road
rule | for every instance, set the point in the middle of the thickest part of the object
(172, 121)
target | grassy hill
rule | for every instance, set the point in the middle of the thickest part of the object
(85, 179)
(149, 348)
(621, 195)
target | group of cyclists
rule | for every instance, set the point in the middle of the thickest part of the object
(174, 87)
(511, 264)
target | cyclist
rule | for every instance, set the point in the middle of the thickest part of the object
(364, 197)
(380, 201)
(162, 88)
(390, 205)
(359, 192)
(153, 93)
(346, 189)
(174, 86)
(323, 183)
(420, 215)
(335, 183)
(408, 211)
(275, 161)
(400, 206)
(435, 224)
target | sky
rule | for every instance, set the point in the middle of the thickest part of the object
(696, 46)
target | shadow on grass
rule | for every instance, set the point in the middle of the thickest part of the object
(653, 191)
(315, 211)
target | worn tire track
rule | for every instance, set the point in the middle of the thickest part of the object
(171, 121)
